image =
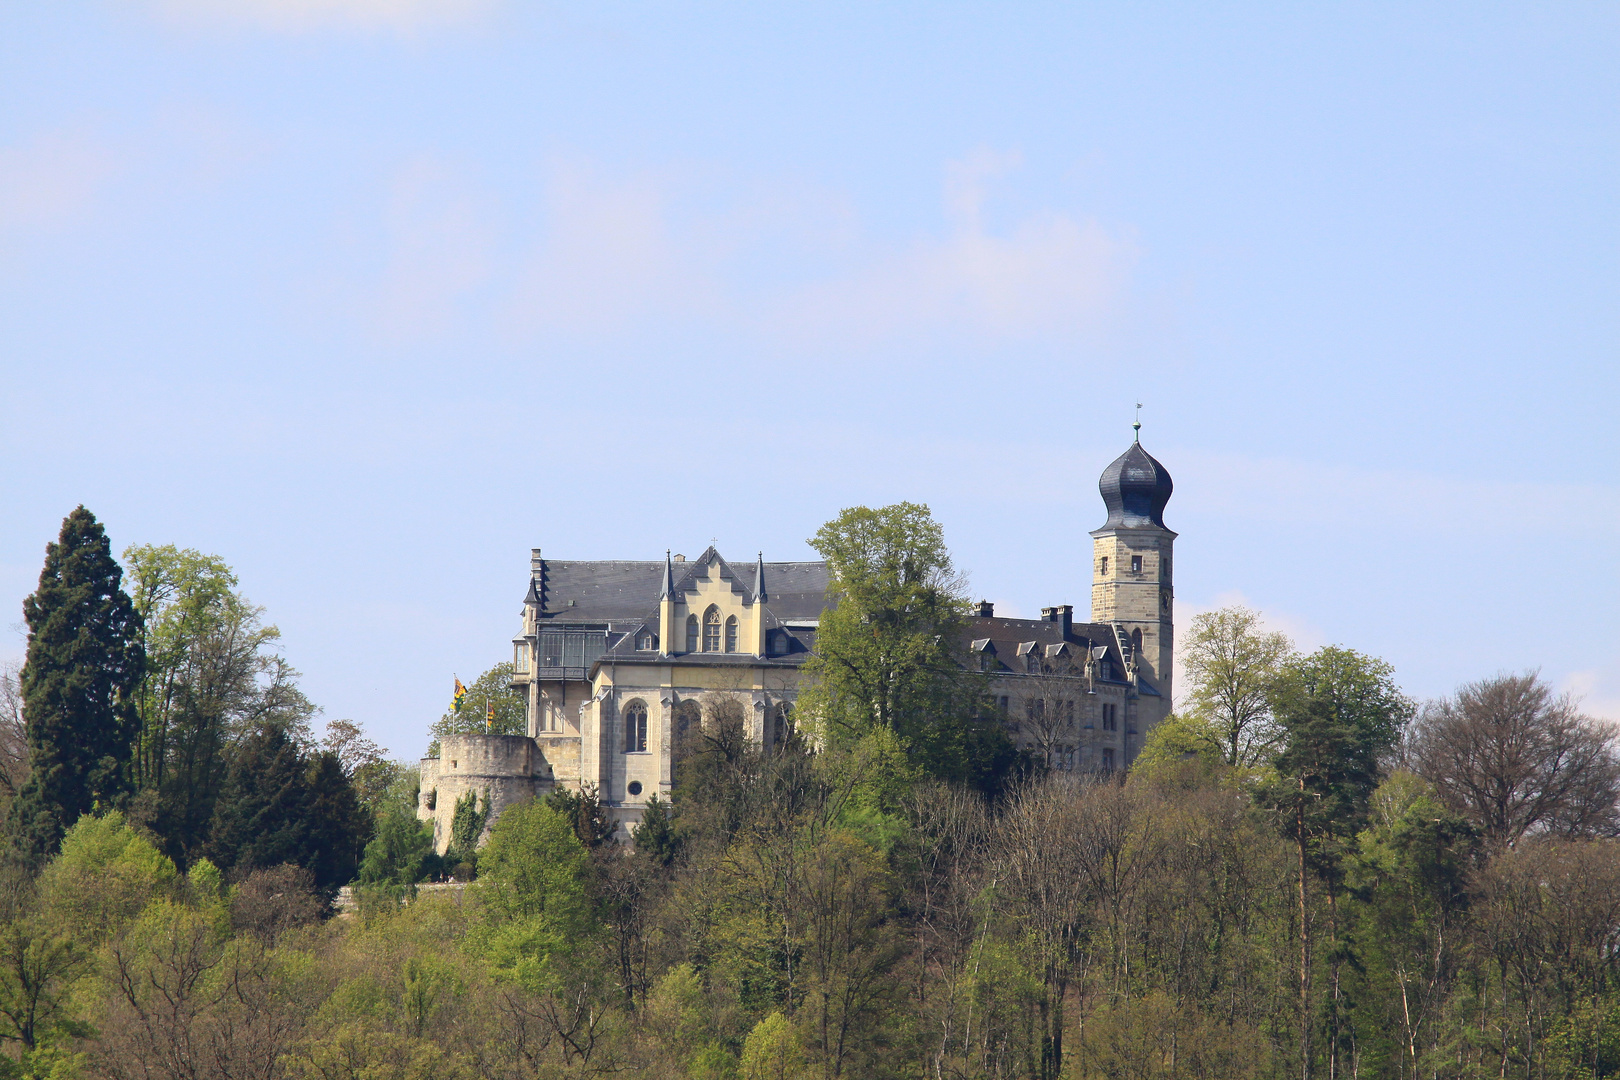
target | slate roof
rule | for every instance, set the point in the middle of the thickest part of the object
(610, 592)
(1135, 488)
(1009, 640)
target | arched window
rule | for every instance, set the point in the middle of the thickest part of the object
(731, 634)
(781, 723)
(688, 726)
(711, 630)
(635, 727)
(691, 633)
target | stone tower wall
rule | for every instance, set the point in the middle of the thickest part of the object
(1139, 600)
(504, 769)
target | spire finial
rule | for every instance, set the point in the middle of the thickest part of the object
(1137, 427)
(759, 579)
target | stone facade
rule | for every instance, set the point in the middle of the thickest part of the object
(502, 770)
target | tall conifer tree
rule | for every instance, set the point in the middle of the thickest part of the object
(78, 683)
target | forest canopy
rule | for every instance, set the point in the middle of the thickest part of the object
(1305, 874)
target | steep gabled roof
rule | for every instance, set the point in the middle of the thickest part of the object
(609, 591)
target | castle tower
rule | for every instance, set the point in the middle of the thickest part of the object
(1131, 583)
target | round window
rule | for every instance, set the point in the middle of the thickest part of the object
(635, 787)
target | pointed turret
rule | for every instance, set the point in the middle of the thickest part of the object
(668, 591)
(759, 580)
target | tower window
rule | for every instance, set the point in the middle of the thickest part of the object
(1164, 568)
(1104, 567)
(1136, 564)
(1108, 759)
(635, 728)
(691, 633)
(731, 634)
(711, 630)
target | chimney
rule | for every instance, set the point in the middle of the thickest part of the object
(1063, 614)
(987, 610)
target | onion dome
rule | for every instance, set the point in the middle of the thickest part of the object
(1135, 488)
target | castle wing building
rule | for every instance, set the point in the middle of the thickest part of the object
(619, 658)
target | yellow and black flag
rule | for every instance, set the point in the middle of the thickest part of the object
(461, 693)
(489, 717)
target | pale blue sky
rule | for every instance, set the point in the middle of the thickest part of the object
(371, 296)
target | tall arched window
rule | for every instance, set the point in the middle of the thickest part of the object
(781, 723)
(688, 726)
(635, 727)
(691, 633)
(711, 630)
(731, 634)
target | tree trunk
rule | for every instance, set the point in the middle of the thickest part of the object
(1304, 951)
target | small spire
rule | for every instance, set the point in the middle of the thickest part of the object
(669, 578)
(759, 579)
(1137, 427)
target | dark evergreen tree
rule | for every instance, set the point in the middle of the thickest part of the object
(592, 823)
(260, 819)
(279, 805)
(78, 683)
(339, 827)
(656, 840)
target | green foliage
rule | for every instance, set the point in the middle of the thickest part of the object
(1179, 746)
(104, 877)
(466, 825)
(78, 684)
(774, 1051)
(493, 687)
(1340, 713)
(1233, 668)
(400, 854)
(532, 890)
(212, 673)
(885, 654)
(280, 806)
(39, 958)
(656, 839)
(593, 824)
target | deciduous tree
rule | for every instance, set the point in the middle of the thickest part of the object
(886, 653)
(1517, 759)
(1233, 665)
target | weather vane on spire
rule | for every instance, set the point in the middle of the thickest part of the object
(1137, 427)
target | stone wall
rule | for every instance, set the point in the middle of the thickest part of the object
(503, 769)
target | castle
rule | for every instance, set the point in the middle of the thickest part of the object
(616, 659)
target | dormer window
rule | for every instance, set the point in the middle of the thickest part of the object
(711, 630)
(647, 642)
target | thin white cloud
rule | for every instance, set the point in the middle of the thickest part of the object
(1596, 691)
(612, 257)
(51, 180)
(620, 253)
(302, 16)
